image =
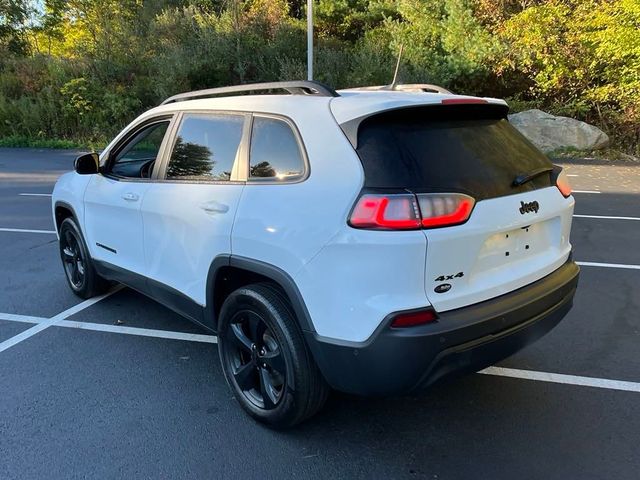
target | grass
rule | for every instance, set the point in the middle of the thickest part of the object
(17, 141)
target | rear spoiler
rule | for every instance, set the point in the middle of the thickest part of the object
(450, 109)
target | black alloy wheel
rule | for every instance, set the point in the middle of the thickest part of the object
(265, 359)
(78, 265)
(73, 259)
(256, 360)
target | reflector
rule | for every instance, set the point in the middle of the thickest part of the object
(412, 319)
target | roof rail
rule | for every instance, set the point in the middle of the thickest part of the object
(408, 87)
(301, 87)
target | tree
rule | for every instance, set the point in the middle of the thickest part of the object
(13, 17)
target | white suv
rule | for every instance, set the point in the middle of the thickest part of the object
(372, 242)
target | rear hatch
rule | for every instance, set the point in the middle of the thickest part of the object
(518, 230)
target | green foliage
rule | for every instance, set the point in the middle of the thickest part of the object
(13, 16)
(27, 141)
(580, 59)
(82, 69)
(445, 44)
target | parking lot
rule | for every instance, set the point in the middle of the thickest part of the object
(122, 387)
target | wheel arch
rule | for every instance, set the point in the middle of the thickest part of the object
(61, 211)
(229, 272)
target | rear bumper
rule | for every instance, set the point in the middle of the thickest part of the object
(396, 361)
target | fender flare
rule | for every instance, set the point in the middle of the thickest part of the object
(61, 203)
(276, 274)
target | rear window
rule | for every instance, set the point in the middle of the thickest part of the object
(471, 149)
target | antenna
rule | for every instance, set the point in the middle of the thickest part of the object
(309, 40)
(395, 74)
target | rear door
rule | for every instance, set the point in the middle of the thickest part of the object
(188, 214)
(518, 230)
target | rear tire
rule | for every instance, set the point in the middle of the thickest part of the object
(265, 359)
(77, 263)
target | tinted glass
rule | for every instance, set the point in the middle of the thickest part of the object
(206, 147)
(137, 157)
(275, 152)
(444, 148)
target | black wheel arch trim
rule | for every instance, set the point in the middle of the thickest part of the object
(63, 204)
(279, 276)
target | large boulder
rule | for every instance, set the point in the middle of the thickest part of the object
(549, 132)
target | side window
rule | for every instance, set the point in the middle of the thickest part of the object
(275, 151)
(206, 147)
(137, 157)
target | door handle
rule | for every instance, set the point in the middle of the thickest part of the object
(130, 197)
(214, 207)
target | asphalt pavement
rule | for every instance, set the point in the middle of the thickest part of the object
(124, 388)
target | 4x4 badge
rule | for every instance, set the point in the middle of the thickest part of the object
(442, 278)
(529, 207)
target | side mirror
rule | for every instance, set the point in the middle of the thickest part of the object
(87, 164)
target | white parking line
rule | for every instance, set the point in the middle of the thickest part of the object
(30, 332)
(594, 382)
(609, 265)
(22, 230)
(143, 332)
(585, 191)
(606, 217)
(35, 194)
(21, 318)
(100, 327)
(562, 378)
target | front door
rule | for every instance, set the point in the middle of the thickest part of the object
(113, 223)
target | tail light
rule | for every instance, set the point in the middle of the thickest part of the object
(439, 210)
(562, 182)
(388, 212)
(410, 212)
(413, 319)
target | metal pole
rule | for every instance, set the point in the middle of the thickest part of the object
(309, 39)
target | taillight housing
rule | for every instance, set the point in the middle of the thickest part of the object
(444, 209)
(562, 182)
(413, 319)
(406, 211)
(386, 212)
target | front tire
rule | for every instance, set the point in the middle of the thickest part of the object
(78, 267)
(265, 359)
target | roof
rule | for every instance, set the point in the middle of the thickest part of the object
(352, 104)
(349, 105)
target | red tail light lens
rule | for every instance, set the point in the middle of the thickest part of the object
(412, 319)
(562, 182)
(439, 210)
(386, 212)
(408, 211)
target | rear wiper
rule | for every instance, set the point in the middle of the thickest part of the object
(527, 177)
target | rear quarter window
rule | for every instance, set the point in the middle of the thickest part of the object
(275, 154)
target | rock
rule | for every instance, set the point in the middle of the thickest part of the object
(549, 132)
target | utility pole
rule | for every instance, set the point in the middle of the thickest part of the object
(309, 39)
